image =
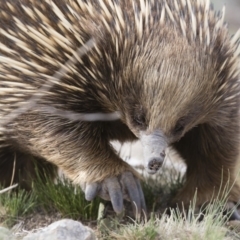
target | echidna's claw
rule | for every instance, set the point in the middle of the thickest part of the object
(115, 189)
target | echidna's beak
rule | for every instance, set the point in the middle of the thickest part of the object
(154, 146)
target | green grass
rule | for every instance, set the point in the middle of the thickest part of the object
(177, 225)
(162, 188)
(187, 224)
(15, 205)
(134, 231)
(59, 196)
(65, 198)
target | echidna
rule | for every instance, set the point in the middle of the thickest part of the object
(169, 68)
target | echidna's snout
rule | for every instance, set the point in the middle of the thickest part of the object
(154, 146)
(154, 164)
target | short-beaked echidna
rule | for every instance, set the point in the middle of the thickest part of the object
(169, 68)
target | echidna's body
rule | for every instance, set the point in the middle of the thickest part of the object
(167, 66)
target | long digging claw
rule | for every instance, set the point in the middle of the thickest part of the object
(142, 198)
(115, 193)
(125, 186)
(135, 192)
(91, 191)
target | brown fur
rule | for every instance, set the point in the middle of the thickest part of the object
(157, 76)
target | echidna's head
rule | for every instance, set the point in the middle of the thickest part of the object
(173, 64)
(172, 90)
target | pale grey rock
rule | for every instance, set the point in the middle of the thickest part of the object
(5, 234)
(65, 229)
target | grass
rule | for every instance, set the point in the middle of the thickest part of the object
(162, 188)
(64, 197)
(15, 205)
(48, 196)
(178, 225)
(69, 201)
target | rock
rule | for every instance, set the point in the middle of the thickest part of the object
(65, 229)
(5, 234)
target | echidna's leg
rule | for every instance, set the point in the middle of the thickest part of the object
(116, 130)
(211, 155)
(19, 167)
(82, 150)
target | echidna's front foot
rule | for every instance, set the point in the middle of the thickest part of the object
(125, 186)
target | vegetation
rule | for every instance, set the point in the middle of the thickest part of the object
(15, 205)
(65, 198)
(49, 196)
(68, 200)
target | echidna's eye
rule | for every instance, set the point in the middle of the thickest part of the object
(139, 117)
(179, 127)
(139, 120)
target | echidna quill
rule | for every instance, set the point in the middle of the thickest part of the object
(169, 67)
